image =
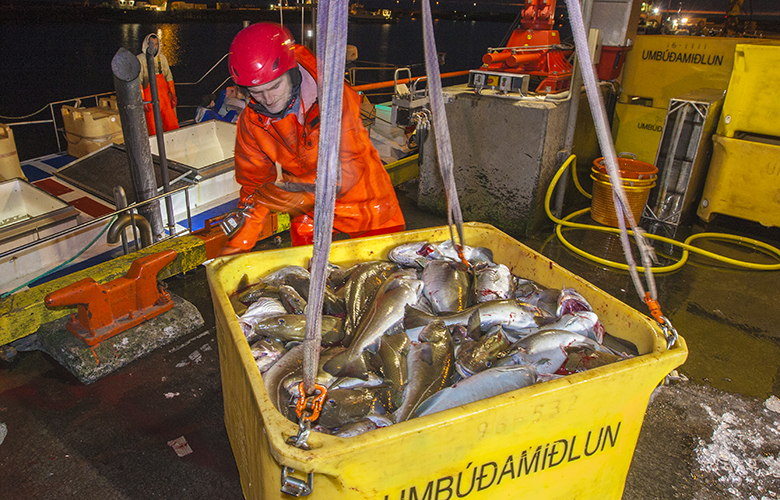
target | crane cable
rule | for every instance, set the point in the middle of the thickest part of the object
(622, 211)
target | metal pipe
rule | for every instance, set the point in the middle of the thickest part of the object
(575, 91)
(391, 83)
(120, 201)
(495, 57)
(151, 52)
(117, 229)
(520, 59)
(127, 70)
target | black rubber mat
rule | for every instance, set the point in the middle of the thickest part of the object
(100, 172)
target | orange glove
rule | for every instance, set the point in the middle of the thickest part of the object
(277, 199)
(172, 93)
(246, 237)
(148, 108)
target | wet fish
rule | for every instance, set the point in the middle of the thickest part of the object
(493, 282)
(385, 316)
(262, 308)
(292, 382)
(479, 355)
(586, 323)
(532, 293)
(448, 286)
(361, 289)
(415, 254)
(273, 379)
(279, 276)
(486, 384)
(546, 350)
(580, 359)
(250, 294)
(292, 300)
(266, 352)
(430, 366)
(332, 305)
(393, 351)
(472, 254)
(343, 406)
(570, 301)
(365, 424)
(373, 380)
(338, 275)
(511, 313)
(289, 327)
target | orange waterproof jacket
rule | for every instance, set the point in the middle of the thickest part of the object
(366, 199)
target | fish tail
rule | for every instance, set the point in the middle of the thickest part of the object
(415, 318)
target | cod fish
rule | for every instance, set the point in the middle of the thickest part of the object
(361, 289)
(293, 380)
(472, 254)
(493, 282)
(262, 308)
(279, 277)
(486, 384)
(511, 314)
(585, 323)
(292, 300)
(344, 406)
(447, 286)
(291, 362)
(571, 302)
(416, 254)
(266, 352)
(580, 359)
(292, 327)
(250, 294)
(393, 351)
(365, 424)
(546, 350)
(476, 356)
(385, 316)
(429, 366)
(332, 305)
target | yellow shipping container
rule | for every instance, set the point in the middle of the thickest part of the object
(743, 181)
(568, 438)
(750, 105)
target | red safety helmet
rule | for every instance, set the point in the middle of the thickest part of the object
(260, 53)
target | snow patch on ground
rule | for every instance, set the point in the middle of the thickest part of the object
(735, 455)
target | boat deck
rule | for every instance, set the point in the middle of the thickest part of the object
(114, 437)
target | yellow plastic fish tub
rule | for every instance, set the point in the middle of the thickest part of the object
(569, 438)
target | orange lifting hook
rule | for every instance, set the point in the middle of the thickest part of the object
(655, 308)
(316, 404)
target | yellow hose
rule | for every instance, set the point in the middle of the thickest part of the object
(686, 245)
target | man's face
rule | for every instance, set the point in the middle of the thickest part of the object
(155, 43)
(273, 95)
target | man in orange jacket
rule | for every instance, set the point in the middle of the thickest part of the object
(166, 89)
(277, 141)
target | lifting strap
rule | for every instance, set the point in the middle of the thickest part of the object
(440, 126)
(610, 159)
(331, 55)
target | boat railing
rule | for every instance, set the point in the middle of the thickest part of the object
(130, 210)
(363, 71)
(56, 118)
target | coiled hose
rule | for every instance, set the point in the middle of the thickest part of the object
(686, 245)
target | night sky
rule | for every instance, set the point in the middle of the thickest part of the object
(760, 7)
